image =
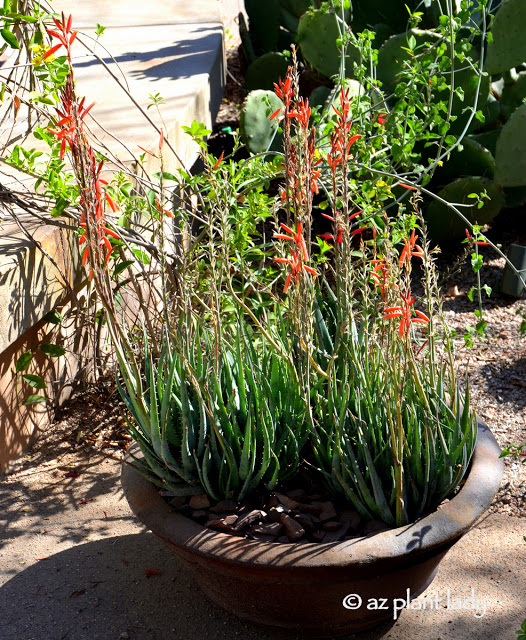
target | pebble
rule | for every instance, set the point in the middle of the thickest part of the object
(374, 526)
(293, 529)
(352, 517)
(178, 501)
(297, 494)
(314, 509)
(306, 520)
(287, 502)
(200, 514)
(249, 518)
(275, 513)
(224, 506)
(328, 512)
(332, 525)
(272, 529)
(223, 524)
(318, 535)
(337, 534)
(200, 501)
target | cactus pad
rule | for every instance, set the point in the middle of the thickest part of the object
(296, 7)
(467, 80)
(510, 154)
(508, 48)
(444, 225)
(258, 132)
(264, 24)
(513, 95)
(472, 160)
(264, 71)
(392, 55)
(317, 36)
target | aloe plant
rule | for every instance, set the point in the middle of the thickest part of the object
(216, 418)
(391, 432)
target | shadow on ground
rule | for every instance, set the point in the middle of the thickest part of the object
(101, 591)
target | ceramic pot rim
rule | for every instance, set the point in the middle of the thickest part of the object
(429, 534)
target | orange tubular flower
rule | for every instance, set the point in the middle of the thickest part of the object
(296, 265)
(339, 237)
(296, 237)
(411, 249)
(405, 313)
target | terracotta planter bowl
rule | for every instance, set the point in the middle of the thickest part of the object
(301, 587)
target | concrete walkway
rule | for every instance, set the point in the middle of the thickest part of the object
(73, 564)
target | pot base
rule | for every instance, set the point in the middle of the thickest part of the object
(321, 589)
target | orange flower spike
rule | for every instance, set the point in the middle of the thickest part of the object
(111, 233)
(296, 237)
(295, 268)
(284, 90)
(478, 242)
(405, 312)
(113, 205)
(411, 249)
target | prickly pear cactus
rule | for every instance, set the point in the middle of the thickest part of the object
(317, 36)
(258, 132)
(264, 24)
(319, 97)
(472, 159)
(488, 139)
(510, 154)
(508, 46)
(513, 95)
(391, 12)
(296, 7)
(491, 111)
(264, 71)
(444, 225)
(393, 55)
(467, 81)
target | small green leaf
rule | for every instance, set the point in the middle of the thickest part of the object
(52, 350)
(20, 16)
(23, 362)
(10, 38)
(60, 204)
(119, 268)
(142, 255)
(35, 399)
(476, 262)
(35, 381)
(481, 326)
(54, 317)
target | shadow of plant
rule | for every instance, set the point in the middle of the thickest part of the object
(132, 585)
